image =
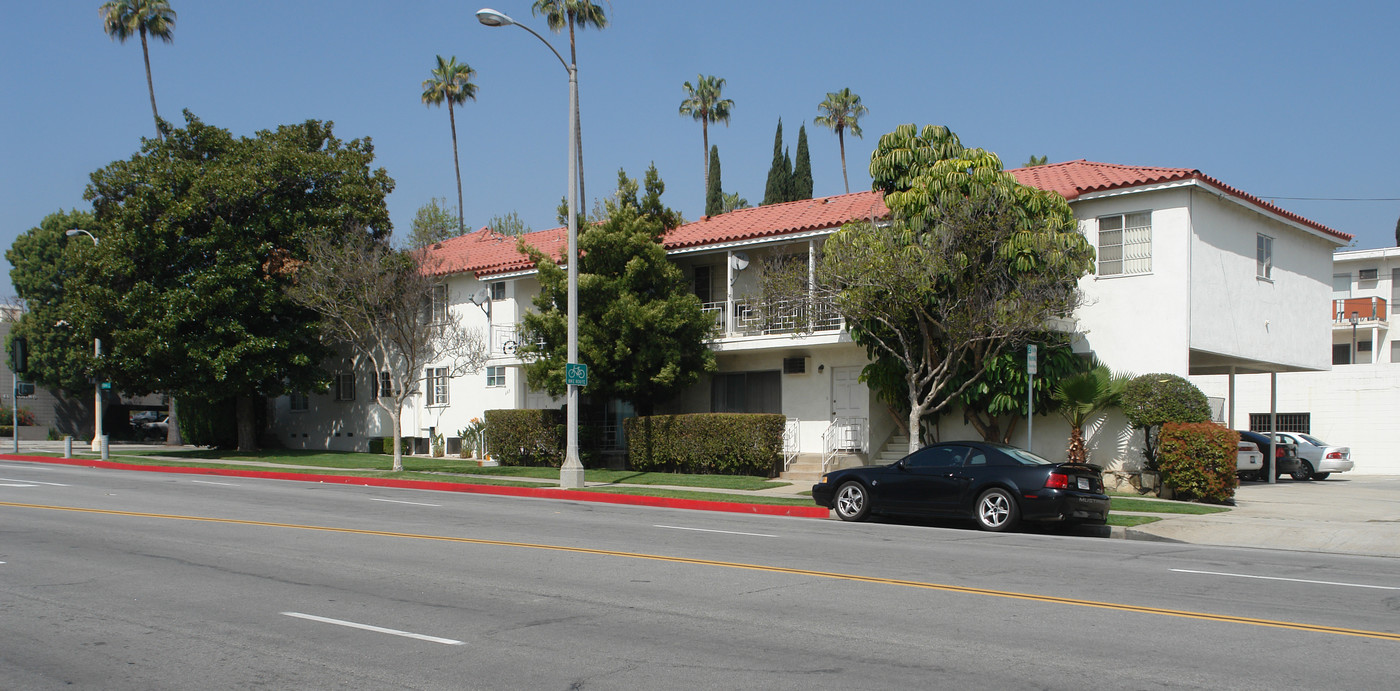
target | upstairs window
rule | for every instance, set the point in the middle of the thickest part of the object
(1264, 257)
(383, 384)
(1125, 244)
(439, 306)
(300, 402)
(436, 391)
(495, 376)
(345, 387)
(498, 290)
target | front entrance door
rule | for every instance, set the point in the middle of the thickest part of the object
(850, 401)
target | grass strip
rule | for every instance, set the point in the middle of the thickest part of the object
(1159, 506)
(1130, 521)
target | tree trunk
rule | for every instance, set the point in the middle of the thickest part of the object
(172, 427)
(150, 86)
(1076, 452)
(842, 139)
(705, 137)
(461, 215)
(247, 427)
(916, 414)
(395, 416)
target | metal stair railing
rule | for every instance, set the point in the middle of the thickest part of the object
(844, 434)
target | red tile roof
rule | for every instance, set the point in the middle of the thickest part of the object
(1074, 178)
(486, 253)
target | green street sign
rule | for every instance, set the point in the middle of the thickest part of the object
(576, 374)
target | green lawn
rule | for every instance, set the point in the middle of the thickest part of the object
(1130, 521)
(1160, 506)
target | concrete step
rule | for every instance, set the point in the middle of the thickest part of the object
(801, 477)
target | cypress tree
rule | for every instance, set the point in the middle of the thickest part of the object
(775, 191)
(789, 182)
(714, 198)
(802, 168)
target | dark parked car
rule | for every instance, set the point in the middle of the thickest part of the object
(1285, 455)
(997, 485)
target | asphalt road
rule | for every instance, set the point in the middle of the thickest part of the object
(127, 580)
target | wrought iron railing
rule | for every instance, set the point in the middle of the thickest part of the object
(844, 435)
(759, 317)
(791, 441)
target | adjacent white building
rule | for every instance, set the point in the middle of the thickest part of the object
(1194, 277)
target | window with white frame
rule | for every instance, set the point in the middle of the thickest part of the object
(300, 402)
(1264, 257)
(498, 290)
(439, 313)
(496, 376)
(1125, 244)
(345, 386)
(383, 384)
(436, 391)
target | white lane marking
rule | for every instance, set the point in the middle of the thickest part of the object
(706, 530)
(396, 501)
(206, 482)
(34, 482)
(14, 484)
(1294, 580)
(376, 629)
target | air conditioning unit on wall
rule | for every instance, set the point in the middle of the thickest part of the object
(797, 365)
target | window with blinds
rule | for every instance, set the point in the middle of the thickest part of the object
(1125, 244)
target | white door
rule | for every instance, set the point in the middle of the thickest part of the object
(850, 401)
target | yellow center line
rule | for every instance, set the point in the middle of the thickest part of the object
(1137, 609)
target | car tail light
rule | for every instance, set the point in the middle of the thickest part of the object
(1278, 452)
(1335, 454)
(1057, 481)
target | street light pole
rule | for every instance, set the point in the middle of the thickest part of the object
(1354, 319)
(571, 473)
(97, 437)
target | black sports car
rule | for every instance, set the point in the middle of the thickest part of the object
(997, 485)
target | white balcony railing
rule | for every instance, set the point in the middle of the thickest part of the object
(756, 317)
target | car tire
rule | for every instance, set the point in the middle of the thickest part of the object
(996, 510)
(852, 502)
(1304, 472)
(1320, 476)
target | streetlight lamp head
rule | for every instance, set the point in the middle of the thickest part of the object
(491, 17)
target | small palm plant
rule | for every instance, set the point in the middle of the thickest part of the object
(1084, 397)
(472, 437)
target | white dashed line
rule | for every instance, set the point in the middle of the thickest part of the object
(376, 629)
(31, 483)
(706, 530)
(206, 482)
(395, 501)
(1293, 580)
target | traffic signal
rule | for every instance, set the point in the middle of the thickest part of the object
(19, 355)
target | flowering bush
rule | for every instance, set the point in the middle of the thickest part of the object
(1197, 460)
(472, 436)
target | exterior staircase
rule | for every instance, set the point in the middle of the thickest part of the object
(806, 468)
(894, 449)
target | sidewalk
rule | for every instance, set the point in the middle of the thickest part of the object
(1344, 514)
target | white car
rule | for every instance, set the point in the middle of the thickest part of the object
(1249, 460)
(1318, 458)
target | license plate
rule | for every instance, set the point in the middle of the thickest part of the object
(1083, 483)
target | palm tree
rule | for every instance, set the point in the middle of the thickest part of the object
(451, 82)
(572, 13)
(702, 102)
(841, 111)
(1084, 396)
(124, 18)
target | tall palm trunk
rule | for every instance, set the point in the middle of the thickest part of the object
(150, 86)
(461, 214)
(841, 137)
(705, 137)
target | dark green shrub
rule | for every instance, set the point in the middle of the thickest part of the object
(211, 423)
(526, 437)
(26, 418)
(1198, 460)
(1153, 400)
(706, 443)
(385, 445)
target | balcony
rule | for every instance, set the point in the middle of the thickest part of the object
(755, 317)
(1367, 310)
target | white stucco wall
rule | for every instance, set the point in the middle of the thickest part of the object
(1237, 314)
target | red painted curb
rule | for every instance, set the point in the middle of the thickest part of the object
(540, 493)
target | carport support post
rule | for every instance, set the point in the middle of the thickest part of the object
(1273, 425)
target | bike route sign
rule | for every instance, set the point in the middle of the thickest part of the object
(576, 374)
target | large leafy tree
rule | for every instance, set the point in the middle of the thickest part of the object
(841, 111)
(122, 19)
(997, 402)
(1152, 400)
(203, 232)
(451, 83)
(370, 300)
(969, 263)
(574, 14)
(705, 103)
(642, 331)
(46, 270)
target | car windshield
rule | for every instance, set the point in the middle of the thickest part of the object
(1025, 457)
(1313, 440)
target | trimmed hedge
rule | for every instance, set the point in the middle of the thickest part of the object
(1198, 460)
(526, 437)
(385, 445)
(707, 443)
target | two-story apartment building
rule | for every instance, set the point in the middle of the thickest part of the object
(1194, 277)
(1354, 403)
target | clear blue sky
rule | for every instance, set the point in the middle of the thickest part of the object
(1280, 99)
